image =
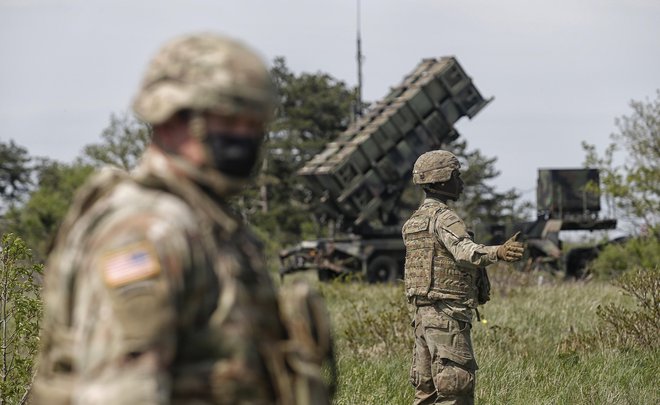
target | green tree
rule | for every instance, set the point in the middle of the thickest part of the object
(122, 143)
(38, 218)
(20, 314)
(635, 253)
(633, 188)
(481, 205)
(15, 172)
(313, 109)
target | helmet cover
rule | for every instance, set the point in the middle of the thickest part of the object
(435, 166)
(205, 72)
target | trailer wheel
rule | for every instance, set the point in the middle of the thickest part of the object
(382, 269)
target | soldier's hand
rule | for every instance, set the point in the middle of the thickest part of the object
(511, 250)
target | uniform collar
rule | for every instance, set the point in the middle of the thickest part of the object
(433, 201)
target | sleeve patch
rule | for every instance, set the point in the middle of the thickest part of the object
(129, 264)
(449, 218)
(452, 223)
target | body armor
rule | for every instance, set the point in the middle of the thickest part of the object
(431, 272)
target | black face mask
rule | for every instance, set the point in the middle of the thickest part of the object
(449, 190)
(232, 154)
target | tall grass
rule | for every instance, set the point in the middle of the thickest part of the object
(524, 345)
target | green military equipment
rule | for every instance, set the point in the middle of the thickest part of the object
(568, 199)
(572, 195)
(368, 166)
(568, 191)
(358, 180)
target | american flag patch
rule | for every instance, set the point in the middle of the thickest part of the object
(129, 264)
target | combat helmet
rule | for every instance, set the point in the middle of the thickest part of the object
(205, 72)
(435, 166)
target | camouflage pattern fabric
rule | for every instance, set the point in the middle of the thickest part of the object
(205, 72)
(156, 294)
(443, 366)
(443, 369)
(435, 166)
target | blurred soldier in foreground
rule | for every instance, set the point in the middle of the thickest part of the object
(155, 293)
(441, 278)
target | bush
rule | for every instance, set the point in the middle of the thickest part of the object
(615, 259)
(639, 326)
(20, 313)
(623, 327)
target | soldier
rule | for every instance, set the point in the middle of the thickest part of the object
(155, 293)
(441, 272)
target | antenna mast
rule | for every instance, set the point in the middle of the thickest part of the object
(358, 107)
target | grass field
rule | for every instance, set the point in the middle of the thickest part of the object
(528, 345)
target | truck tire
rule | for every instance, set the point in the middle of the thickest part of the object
(327, 275)
(577, 261)
(382, 269)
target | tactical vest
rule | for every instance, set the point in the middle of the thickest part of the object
(293, 345)
(431, 273)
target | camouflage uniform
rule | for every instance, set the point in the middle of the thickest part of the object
(441, 273)
(441, 265)
(155, 293)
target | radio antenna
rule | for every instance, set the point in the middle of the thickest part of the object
(358, 107)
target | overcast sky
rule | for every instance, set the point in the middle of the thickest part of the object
(561, 71)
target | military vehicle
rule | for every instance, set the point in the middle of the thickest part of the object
(359, 178)
(566, 200)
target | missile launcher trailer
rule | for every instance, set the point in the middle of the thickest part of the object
(365, 169)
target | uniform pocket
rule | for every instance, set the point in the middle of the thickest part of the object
(454, 379)
(449, 338)
(462, 352)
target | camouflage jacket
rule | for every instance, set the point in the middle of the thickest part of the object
(154, 293)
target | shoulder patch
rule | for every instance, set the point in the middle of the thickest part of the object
(448, 218)
(129, 264)
(453, 223)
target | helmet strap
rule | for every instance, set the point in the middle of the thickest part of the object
(442, 191)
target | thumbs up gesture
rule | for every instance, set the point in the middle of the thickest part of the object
(511, 250)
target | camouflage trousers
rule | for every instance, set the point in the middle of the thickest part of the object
(443, 368)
